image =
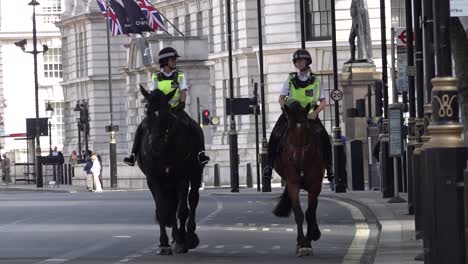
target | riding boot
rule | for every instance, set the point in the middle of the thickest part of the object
(275, 138)
(131, 159)
(203, 159)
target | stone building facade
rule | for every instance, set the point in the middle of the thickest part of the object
(205, 60)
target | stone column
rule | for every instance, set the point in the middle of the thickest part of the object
(355, 79)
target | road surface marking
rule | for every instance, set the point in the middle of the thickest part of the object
(247, 247)
(219, 246)
(358, 246)
(80, 252)
(122, 236)
(138, 254)
(265, 229)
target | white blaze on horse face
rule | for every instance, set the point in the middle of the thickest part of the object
(156, 113)
(298, 125)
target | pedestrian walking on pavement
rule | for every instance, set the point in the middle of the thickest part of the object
(5, 165)
(89, 175)
(96, 171)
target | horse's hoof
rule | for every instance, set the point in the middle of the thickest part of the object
(180, 248)
(165, 251)
(192, 240)
(305, 251)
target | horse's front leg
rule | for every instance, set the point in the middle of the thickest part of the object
(161, 218)
(303, 245)
(313, 231)
(182, 214)
(193, 199)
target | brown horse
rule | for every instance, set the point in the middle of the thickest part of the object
(301, 165)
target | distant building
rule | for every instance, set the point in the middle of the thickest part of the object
(204, 58)
(17, 97)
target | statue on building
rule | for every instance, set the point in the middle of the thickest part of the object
(361, 30)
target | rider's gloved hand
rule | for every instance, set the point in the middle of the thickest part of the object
(180, 106)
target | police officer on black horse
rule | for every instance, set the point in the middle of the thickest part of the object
(167, 80)
(302, 87)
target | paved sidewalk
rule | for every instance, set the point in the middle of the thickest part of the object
(397, 242)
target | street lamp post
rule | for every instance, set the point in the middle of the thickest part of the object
(34, 52)
(50, 111)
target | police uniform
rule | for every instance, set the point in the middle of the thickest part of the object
(303, 88)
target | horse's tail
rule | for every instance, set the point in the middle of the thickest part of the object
(284, 206)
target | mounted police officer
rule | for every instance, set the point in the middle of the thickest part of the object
(303, 87)
(168, 80)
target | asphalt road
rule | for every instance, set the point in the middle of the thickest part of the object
(119, 227)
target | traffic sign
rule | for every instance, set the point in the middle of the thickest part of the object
(401, 37)
(336, 95)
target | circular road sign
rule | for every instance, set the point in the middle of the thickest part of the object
(337, 95)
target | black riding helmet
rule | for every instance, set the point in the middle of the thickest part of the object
(302, 54)
(167, 53)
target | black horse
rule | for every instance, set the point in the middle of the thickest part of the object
(167, 157)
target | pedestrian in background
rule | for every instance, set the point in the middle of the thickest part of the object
(89, 175)
(100, 173)
(96, 170)
(73, 158)
(6, 169)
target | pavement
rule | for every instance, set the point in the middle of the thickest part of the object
(396, 240)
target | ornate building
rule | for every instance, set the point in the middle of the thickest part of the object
(204, 57)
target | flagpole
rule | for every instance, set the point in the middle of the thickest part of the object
(169, 23)
(111, 128)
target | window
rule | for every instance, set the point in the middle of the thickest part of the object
(57, 123)
(51, 6)
(318, 20)
(51, 10)
(52, 63)
(398, 13)
(81, 55)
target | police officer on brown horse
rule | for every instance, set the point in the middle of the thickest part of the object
(303, 87)
(170, 80)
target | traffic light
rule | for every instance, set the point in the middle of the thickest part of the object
(206, 117)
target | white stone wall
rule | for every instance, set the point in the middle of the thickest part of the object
(17, 98)
(93, 86)
(207, 71)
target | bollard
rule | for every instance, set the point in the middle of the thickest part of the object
(339, 161)
(216, 176)
(54, 172)
(65, 173)
(249, 176)
(409, 162)
(445, 162)
(70, 173)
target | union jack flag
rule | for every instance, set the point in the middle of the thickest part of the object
(114, 24)
(152, 14)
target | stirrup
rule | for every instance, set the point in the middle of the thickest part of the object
(130, 160)
(203, 159)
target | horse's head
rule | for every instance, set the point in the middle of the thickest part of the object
(158, 103)
(298, 125)
(297, 115)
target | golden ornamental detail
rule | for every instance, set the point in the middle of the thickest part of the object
(445, 103)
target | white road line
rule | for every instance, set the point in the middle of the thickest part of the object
(138, 254)
(219, 208)
(85, 251)
(247, 247)
(361, 236)
(154, 247)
